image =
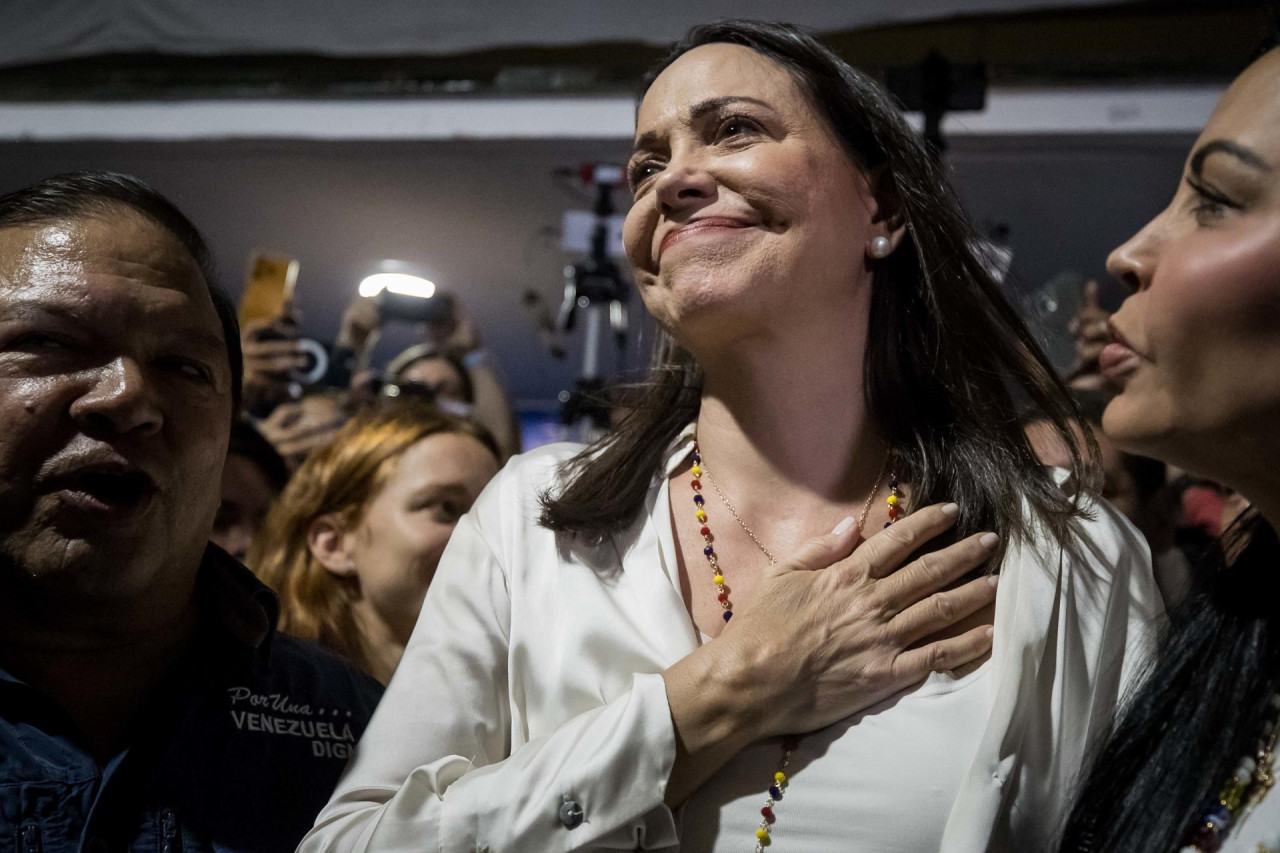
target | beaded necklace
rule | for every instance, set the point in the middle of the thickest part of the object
(767, 817)
(1248, 784)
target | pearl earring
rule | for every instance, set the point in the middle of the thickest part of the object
(880, 247)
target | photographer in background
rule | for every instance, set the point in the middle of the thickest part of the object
(288, 387)
(450, 366)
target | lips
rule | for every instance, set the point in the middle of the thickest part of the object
(705, 225)
(1118, 359)
(115, 491)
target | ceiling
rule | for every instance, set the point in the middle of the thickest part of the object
(86, 50)
(61, 29)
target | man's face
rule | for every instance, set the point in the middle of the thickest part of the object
(115, 408)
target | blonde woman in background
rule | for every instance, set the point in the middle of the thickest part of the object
(354, 540)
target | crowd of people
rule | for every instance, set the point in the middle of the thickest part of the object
(854, 569)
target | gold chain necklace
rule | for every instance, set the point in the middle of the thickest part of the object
(862, 517)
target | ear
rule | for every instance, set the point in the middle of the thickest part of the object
(887, 219)
(330, 543)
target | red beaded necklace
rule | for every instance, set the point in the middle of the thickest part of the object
(767, 817)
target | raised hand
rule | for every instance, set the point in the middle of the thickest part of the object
(835, 629)
(829, 632)
(271, 355)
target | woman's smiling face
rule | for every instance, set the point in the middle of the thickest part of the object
(1197, 352)
(748, 214)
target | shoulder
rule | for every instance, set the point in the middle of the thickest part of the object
(1101, 539)
(514, 496)
(539, 468)
(1102, 568)
(315, 675)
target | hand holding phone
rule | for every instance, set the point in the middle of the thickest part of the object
(271, 355)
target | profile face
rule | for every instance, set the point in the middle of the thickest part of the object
(115, 395)
(749, 217)
(1197, 355)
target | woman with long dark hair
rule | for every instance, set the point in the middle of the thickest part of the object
(1196, 352)
(647, 645)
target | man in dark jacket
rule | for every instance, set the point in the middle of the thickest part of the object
(146, 700)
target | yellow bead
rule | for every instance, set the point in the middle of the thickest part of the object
(697, 471)
(762, 834)
(891, 500)
(700, 515)
(780, 777)
(718, 580)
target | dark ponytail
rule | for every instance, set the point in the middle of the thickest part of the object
(1201, 707)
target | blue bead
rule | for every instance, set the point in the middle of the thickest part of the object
(893, 484)
(728, 614)
(887, 523)
(699, 500)
(775, 792)
(1219, 817)
(708, 550)
(697, 460)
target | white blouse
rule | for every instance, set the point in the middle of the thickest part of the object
(881, 781)
(529, 712)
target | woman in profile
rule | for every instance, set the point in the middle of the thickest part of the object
(352, 543)
(1196, 354)
(714, 630)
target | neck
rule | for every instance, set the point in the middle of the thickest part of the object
(1251, 467)
(787, 416)
(381, 646)
(100, 661)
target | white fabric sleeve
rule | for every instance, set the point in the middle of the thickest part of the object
(436, 770)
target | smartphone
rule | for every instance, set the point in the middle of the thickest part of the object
(268, 287)
(416, 309)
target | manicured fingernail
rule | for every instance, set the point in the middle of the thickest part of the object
(951, 509)
(988, 540)
(843, 525)
(993, 579)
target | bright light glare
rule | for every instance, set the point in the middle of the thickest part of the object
(397, 282)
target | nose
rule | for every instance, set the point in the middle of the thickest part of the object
(684, 184)
(1133, 262)
(119, 401)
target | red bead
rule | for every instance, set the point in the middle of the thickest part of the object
(706, 532)
(722, 597)
(767, 814)
(697, 484)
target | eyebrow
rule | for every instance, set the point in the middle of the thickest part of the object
(1226, 146)
(446, 489)
(33, 309)
(697, 111)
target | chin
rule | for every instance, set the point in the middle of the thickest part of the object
(79, 568)
(1159, 431)
(691, 306)
(1137, 426)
